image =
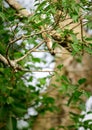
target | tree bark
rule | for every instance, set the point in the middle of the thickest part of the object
(74, 71)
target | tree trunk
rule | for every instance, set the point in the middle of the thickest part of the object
(74, 71)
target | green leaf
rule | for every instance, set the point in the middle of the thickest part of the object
(75, 47)
(41, 6)
(2, 16)
(10, 100)
(88, 50)
(75, 97)
(11, 123)
(64, 78)
(60, 67)
(3, 113)
(75, 17)
(88, 39)
(35, 59)
(48, 100)
(75, 40)
(87, 94)
(82, 81)
(42, 81)
(19, 110)
(52, 129)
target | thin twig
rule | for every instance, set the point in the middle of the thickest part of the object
(81, 29)
(23, 37)
(11, 42)
(75, 26)
(56, 52)
(67, 24)
(82, 39)
(31, 50)
(50, 71)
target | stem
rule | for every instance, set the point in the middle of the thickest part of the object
(31, 50)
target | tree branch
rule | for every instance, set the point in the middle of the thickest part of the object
(31, 50)
(22, 11)
(3, 60)
(11, 42)
(25, 13)
(9, 63)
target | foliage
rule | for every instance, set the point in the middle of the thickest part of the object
(16, 33)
